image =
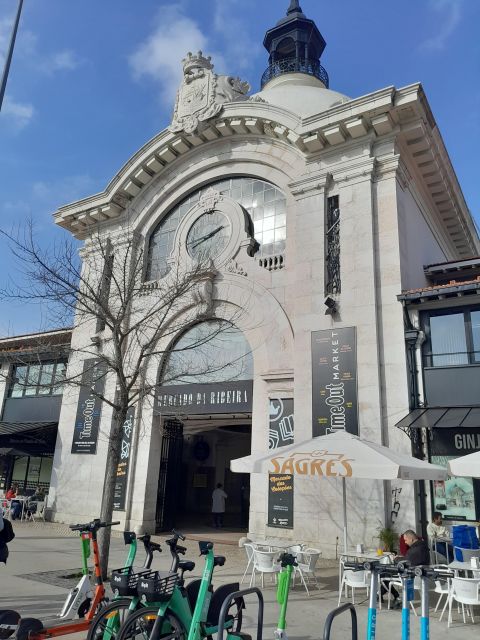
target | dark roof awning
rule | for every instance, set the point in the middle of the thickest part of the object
(31, 437)
(441, 418)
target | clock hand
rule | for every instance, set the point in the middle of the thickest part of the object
(206, 237)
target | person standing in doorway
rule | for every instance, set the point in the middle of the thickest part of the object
(218, 505)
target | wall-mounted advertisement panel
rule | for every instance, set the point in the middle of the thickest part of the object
(120, 492)
(281, 422)
(280, 501)
(334, 381)
(89, 409)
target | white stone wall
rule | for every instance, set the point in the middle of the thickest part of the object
(386, 238)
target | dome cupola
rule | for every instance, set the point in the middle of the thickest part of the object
(295, 45)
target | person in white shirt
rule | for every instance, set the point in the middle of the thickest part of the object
(438, 530)
(218, 505)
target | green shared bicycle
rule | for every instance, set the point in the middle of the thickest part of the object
(175, 611)
(109, 618)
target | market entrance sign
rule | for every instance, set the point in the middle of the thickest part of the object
(334, 381)
(201, 399)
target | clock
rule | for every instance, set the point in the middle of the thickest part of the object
(208, 235)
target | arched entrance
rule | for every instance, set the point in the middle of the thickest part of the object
(205, 402)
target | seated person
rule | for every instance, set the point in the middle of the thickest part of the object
(38, 496)
(436, 529)
(417, 554)
(15, 505)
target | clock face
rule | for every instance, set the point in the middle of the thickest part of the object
(208, 235)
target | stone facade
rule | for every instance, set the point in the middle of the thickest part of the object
(400, 207)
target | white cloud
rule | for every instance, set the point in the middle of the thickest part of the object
(17, 114)
(159, 56)
(27, 50)
(450, 14)
(232, 28)
(63, 191)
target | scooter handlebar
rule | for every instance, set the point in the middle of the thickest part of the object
(94, 525)
(178, 535)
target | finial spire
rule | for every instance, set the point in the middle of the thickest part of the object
(294, 7)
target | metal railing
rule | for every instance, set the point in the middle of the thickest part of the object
(295, 65)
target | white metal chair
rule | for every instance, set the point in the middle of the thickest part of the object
(306, 563)
(39, 513)
(442, 585)
(264, 562)
(354, 580)
(465, 591)
(249, 549)
(398, 584)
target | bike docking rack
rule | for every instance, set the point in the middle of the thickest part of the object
(226, 604)
(348, 606)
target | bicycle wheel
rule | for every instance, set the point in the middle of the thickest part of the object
(109, 619)
(140, 624)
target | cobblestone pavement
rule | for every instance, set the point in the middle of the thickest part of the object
(51, 549)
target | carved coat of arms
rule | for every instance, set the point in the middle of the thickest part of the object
(203, 93)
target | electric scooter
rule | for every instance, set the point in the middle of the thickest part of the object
(288, 562)
(33, 628)
(79, 599)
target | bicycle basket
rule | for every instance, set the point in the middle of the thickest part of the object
(156, 586)
(124, 581)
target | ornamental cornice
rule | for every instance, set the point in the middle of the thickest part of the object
(316, 183)
(379, 115)
(357, 171)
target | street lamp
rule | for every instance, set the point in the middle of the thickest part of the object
(8, 59)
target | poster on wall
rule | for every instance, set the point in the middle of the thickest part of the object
(281, 424)
(280, 501)
(89, 409)
(454, 497)
(120, 491)
(334, 381)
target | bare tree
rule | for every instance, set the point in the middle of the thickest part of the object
(120, 322)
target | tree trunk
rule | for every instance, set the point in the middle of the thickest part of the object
(113, 458)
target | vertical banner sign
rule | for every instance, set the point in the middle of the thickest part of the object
(280, 500)
(281, 426)
(120, 492)
(87, 422)
(334, 381)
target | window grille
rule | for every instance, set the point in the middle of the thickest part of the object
(332, 248)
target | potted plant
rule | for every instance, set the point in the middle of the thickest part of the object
(388, 538)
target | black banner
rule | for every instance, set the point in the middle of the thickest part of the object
(120, 491)
(87, 422)
(280, 501)
(216, 397)
(334, 381)
(281, 427)
(454, 442)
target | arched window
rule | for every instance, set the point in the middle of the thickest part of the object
(211, 351)
(264, 202)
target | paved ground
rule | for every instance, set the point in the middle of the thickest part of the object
(40, 548)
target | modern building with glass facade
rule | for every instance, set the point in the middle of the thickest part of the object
(316, 210)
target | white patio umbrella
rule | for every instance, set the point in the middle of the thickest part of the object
(468, 465)
(340, 455)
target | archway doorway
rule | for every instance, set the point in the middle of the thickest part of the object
(205, 408)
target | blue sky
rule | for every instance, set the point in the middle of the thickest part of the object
(91, 81)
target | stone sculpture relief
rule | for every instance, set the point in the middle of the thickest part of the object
(203, 93)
